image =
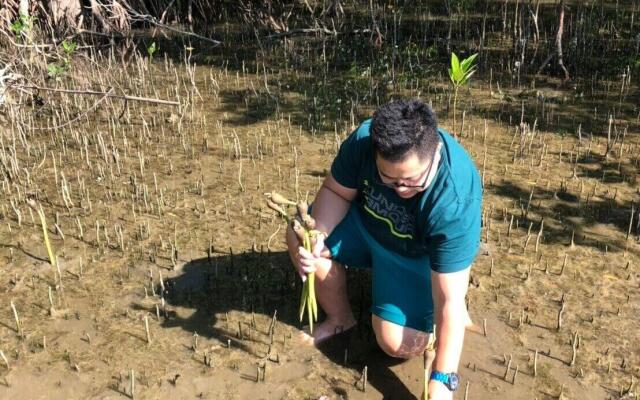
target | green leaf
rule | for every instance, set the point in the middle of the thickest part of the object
(152, 49)
(467, 76)
(69, 47)
(17, 27)
(460, 72)
(432, 51)
(54, 70)
(467, 62)
(455, 64)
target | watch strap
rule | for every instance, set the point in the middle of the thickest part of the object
(440, 377)
(450, 380)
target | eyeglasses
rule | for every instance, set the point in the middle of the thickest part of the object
(395, 185)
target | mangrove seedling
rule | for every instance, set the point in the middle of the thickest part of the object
(43, 222)
(17, 319)
(6, 362)
(429, 357)
(152, 49)
(303, 225)
(459, 73)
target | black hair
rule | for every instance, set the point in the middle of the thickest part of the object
(402, 126)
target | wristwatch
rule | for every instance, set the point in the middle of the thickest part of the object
(450, 380)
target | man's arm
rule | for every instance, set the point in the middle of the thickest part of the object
(329, 208)
(331, 204)
(449, 290)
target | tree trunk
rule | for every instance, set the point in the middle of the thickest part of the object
(190, 14)
(25, 18)
(97, 12)
(559, 41)
(24, 8)
(65, 14)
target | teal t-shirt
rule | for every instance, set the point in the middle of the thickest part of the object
(442, 222)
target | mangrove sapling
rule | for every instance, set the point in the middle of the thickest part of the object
(574, 349)
(132, 381)
(146, 329)
(19, 328)
(459, 73)
(47, 243)
(363, 378)
(272, 326)
(263, 367)
(52, 310)
(4, 359)
(429, 357)
(560, 312)
(506, 372)
(564, 264)
(194, 342)
(303, 225)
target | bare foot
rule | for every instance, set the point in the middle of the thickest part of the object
(324, 331)
(468, 323)
(470, 326)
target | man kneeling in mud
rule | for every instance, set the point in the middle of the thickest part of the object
(404, 199)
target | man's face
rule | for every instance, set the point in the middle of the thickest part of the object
(407, 177)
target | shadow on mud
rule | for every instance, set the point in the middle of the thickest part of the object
(574, 215)
(261, 283)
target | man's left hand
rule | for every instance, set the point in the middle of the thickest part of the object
(438, 391)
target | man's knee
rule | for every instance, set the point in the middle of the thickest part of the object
(400, 349)
(398, 341)
(329, 269)
(391, 347)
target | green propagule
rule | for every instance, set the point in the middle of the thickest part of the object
(304, 227)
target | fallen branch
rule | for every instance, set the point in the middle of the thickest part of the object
(307, 31)
(303, 31)
(192, 34)
(96, 93)
(152, 20)
(26, 46)
(110, 35)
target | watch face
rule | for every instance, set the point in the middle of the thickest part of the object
(454, 380)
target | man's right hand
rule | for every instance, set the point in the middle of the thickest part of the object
(329, 208)
(305, 261)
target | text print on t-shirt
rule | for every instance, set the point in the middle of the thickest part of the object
(401, 224)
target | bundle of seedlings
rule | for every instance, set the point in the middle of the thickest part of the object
(304, 227)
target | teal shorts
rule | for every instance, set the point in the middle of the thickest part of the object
(401, 291)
